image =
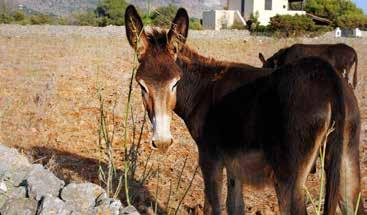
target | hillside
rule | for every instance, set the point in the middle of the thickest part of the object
(195, 7)
(65, 7)
(53, 7)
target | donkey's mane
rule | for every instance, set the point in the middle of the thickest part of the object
(157, 37)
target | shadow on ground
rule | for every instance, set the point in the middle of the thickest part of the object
(68, 167)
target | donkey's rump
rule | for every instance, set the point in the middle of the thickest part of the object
(341, 56)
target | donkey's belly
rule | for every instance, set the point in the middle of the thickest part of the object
(250, 167)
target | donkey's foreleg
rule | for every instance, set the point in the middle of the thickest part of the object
(235, 204)
(213, 178)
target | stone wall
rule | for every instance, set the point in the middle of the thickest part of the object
(30, 189)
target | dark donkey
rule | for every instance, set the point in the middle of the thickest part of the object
(341, 56)
(261, 126)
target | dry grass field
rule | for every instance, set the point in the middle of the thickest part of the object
(49, 107)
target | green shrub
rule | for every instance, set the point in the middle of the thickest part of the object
(263, 29)
(288, 25)
(85, 19)
(351, 21)
(6, 18)
(238, 26)
(162, 16)
(253, 22)
(344, 14)
(41, 19)
(64, 20)
(146, 19)
(195, 24)
(18, 16)
(111, 12)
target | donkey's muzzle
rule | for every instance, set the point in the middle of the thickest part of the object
(162, 146)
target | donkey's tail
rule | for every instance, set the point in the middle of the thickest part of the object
(355, 76)
(334, 150)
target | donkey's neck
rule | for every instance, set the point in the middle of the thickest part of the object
(196, 82)
(206, 81)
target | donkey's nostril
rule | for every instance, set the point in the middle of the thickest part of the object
(154, 145)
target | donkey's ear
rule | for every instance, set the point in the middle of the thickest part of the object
(135, 30)
(262, 58)
(178, 33)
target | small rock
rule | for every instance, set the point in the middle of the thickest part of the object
(115, 206)
(15, 177)
(42, 182)
(107, 206)
(53, 206)
(19, 176)
(82, 196)
(102, 210)
(130, 210)
(12, 165)
(11, 159)
(23, 206)
(3, 187)
(11, 192)
(18, 192)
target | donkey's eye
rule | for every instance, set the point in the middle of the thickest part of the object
(143, 89)
(175, 86)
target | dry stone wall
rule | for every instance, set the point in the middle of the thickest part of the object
(30, 189)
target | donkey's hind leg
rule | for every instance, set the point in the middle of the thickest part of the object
(235, 204)
(350, 175)
(348, 186)
(290, 181)
(290, 185)
(290, 189)
(212, 170)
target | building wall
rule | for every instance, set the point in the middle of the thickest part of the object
(222, 18)
(209, 19)
(236, 5)
(278, 7)
(249, 8)
(265, 15)
(219, 19)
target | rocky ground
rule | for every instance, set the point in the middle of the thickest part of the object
(50, 77)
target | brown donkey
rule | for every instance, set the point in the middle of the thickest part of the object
(341, 56)
(262, 126)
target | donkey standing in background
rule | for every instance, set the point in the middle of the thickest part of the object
(341, 56)
(262, 126)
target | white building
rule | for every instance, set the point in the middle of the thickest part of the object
(221, 19)
(265, 9)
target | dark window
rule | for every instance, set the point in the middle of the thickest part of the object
(268, 4)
